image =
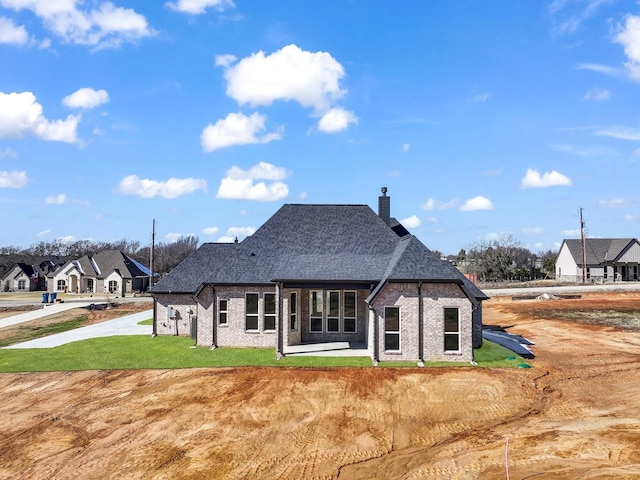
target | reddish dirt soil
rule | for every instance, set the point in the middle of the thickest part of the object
(575, 414)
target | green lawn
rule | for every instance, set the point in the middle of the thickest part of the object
(138, 352)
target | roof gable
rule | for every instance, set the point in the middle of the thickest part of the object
(598, 250)
(315, 243)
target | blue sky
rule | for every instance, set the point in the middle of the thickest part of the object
(482, 118)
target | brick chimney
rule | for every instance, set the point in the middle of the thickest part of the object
(384, 206)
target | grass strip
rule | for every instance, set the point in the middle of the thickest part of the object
(144, 352)
(26, 332)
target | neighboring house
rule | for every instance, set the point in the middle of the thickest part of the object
(324, 273)
(26, 277)
(106, 272)
(606, 260)
(21, 278)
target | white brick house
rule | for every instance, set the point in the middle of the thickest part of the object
(605, 260)
(324, 273)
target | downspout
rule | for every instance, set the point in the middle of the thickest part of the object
(375, 337)
(214, 314)
(154, 330)
(420, 327)
(279, 340)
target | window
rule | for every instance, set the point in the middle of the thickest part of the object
(451, 330)
(588, 272)
(223, 306)
(61, 285)
(392, 328)
(293, 311)
(21, 284)
(251, 311)
(315, 310)
(113, 286)
(605, 273)
(333, 312)
(269, 311)
(349, 312)
(89, 284)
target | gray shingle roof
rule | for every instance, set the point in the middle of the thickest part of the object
(598, 250)
(313, 243)
(106, 262)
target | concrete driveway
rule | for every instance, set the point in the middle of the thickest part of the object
(127, 325)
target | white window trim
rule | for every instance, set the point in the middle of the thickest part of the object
(311, 317)
(295, 314)
(458, 333)
(252, 330)
(226, 311)
(393, 332)
(339, 317)
(264, 314)
(355, 318)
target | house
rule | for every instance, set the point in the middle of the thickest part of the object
(21, 278)
(30, 277)
(109, 271)
(606, 260)
(324, 273)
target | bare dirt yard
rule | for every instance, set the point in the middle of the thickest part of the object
(575, 414)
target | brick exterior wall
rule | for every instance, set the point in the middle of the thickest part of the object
(435, 298)
(182, 305)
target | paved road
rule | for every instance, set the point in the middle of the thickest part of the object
(127, 325)
(577, 288)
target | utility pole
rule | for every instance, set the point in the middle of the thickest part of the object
(151, 252)
(584, 253)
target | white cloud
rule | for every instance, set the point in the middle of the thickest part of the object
(620, 132)
(66, 239)
(104, 26)
(21, 114)
(570, 233)
(236, 233)
(532, 231)
(172, 188)
(533, 179)
(236, 129)
(604, 69)
(573, 14)
(59, 199)
(15, 179)
(241, 231)
(240, 184)
(477, 203)
(336, 120)
(43, 233)
(210, 230)
(411, 222)
(8, 152)
(631, 218)
(196, 7)
(405, 147)
(225, 60)
(86, 98)
(311, 79)
(597, 94)
(433, 204)
(478, 98)
(615, 203)
(629, 37)
(12, 34)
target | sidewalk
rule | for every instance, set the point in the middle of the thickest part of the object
(49, 309)
(127, 325)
